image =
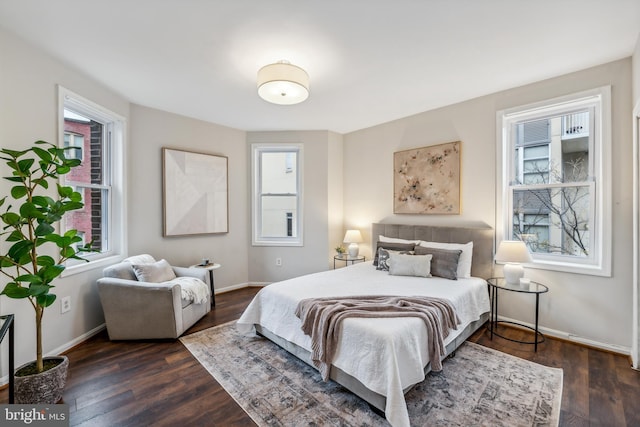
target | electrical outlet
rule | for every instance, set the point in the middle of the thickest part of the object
(279, 262)
(65, 304)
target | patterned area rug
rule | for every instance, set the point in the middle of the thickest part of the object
(477, 387)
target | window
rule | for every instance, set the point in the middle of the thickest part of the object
(556, 179)
(74, 143)
(95, 136)
(277, 195)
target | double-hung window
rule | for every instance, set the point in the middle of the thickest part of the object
(94, 135)
(277, 194)
(555, 181)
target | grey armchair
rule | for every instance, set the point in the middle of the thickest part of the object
(142, 310)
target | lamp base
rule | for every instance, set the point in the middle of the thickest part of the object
(353, 250)
(513, 273)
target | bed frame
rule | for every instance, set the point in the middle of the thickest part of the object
(483, 246)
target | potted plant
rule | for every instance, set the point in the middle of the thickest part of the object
(339, 250)
(26, 259)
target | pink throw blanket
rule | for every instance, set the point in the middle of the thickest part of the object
(321, 319)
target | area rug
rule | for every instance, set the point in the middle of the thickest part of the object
(477, 387)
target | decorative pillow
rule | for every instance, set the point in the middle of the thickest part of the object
(464, 263)
(383, 258)
(157, 272)
(409, 265)
(444, 262)
(393, 246)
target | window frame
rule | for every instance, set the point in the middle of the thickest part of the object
(257, 239)
(115, 129)
(599, 261)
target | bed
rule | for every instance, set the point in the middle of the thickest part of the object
(379, 359)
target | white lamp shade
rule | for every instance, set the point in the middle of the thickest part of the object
(513, 251)
(283, 83)
(353, 237)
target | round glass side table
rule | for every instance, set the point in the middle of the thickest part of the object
(497, 284)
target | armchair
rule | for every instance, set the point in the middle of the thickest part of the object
(136, 309)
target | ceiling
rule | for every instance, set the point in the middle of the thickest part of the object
(369, 61)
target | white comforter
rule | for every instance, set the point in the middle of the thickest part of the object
(386, 355)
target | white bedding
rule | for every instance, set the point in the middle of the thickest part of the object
(385, 355)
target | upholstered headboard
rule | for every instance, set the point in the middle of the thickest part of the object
(482, 237)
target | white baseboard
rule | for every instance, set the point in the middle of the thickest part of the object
(76, 340)
(239, 286)
(574, 338)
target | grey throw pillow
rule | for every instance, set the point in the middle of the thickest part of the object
(409, 265)
(444, 262)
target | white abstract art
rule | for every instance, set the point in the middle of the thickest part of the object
(195, 193)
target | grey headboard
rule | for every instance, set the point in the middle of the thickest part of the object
(482, 237)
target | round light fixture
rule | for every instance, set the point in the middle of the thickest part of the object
(283, 83)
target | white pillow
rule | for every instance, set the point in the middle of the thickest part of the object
(386, 239)
(157, 272)
(409, 265)
(464, 262)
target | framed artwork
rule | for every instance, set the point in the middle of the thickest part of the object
(195, 193)
(427, 180)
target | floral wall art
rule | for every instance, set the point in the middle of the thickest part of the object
(427, 180)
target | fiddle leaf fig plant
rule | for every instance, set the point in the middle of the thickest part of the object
(34, 254)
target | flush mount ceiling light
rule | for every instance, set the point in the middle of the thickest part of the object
(283, 83)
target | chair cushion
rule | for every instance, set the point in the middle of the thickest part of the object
(157, 272)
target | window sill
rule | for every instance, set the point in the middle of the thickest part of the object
(276, 243)
(586, 269)
(98, 263)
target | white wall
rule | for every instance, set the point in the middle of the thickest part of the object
(319, 146)
(578, 307)
(28, 112)
(335, 196)
(150, 130)
(635, 353)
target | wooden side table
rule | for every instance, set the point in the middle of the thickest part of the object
(210, 268)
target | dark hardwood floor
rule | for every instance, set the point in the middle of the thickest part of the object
(159, 383)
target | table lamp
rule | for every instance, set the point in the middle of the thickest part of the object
(353, 237)
(513, 253)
